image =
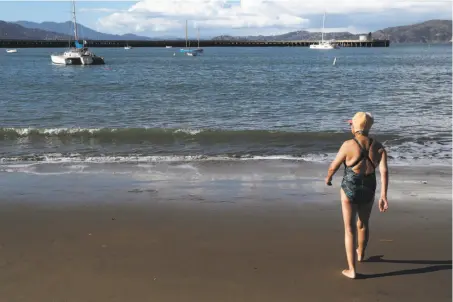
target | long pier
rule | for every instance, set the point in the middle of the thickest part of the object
(11, 43)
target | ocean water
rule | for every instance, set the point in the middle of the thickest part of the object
(147, 105)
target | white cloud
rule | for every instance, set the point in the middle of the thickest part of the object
(98, 10)
(170, 15)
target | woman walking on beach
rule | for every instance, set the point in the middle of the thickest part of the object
(360, 156)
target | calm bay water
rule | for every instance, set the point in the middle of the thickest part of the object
(146, 104)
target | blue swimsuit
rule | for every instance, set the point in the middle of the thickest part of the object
(359, 187)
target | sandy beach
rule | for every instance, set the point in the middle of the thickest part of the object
(86, 237)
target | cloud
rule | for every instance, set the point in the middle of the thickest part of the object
(98, 10)
(250, 15)
(166, 15)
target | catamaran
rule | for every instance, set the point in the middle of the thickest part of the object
(325, 44)
(78, 55)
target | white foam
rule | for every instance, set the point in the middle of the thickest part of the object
(402, 155)
(188, 131)
(74, 130)
(52, 131)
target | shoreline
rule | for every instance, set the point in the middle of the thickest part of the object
(223, 232)
(223, 180)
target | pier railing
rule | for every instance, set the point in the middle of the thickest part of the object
(12, 43)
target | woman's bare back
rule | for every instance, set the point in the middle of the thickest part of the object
(353, 153)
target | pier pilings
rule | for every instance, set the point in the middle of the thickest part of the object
(12, 43)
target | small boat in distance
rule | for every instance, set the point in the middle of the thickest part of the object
(199, 50)
(187, 50)
(324, 44)
(11, 50)
(127, 47)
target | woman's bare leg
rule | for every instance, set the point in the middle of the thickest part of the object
(349, 216)
(363, 230)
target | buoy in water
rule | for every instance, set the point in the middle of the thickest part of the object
(334, 61)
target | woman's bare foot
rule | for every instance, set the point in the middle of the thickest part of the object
(360, 256)
(349, 273)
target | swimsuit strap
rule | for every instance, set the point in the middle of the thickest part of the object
(364, 154)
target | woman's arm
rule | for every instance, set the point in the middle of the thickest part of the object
(341, 156)
(383, 169)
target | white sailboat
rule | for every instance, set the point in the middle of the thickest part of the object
(325, 45)
(78, 55)
(11, 50)
(127, 47)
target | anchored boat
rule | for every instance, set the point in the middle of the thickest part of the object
(324, 44)
(78, 55)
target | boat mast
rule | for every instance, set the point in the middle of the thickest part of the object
(186, 33)
(76, 36)
(322, 32)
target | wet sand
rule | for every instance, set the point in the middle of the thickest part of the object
(144, 246)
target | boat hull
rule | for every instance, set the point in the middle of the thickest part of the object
(324, 46)
(11, 50)
(82, 60)
(60, 60)
(191, 52)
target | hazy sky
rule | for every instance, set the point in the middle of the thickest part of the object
(236, 17)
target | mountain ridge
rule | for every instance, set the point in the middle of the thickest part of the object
(431, 31)
(84, 32)
(16, 31)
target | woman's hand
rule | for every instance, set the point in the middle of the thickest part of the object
(383, 204)
(328, 181)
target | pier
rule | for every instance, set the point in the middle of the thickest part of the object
(11, 43)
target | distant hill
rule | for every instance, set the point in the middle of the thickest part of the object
(84, 32)
(16, 31)
(293, 36)
(433, 31)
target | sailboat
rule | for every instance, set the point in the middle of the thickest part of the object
(78, 55)
(187, 50)
(199, 50)
(127, 47)
(324, 44)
